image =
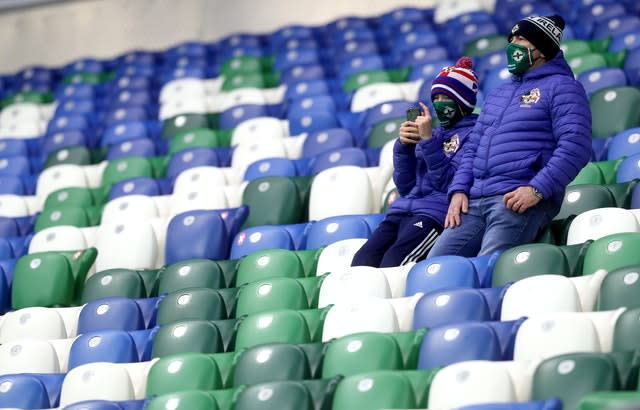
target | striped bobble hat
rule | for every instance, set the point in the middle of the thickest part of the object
(459, 83)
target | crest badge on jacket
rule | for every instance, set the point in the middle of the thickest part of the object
(530, 97)
(451, 146)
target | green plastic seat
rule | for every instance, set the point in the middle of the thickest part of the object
(183, 123)
(78, 155)
(282, 326)
(73, 196)
(312, 285)
(271, 294)
(612, 252)
(244, 80)
(197, 336)
(303, 183)
(626, 333)
(409, 344)
(383, 389)
(271, 362)
(282, 395)
(575, 255)
(114, 282)
(229, 269)
(614, 109)
(195, 138)
(246, 65)
(309, 260)
(484, 45)
(622, 192)
(610, 400)
(190, 273)
(584, 197)
(185, 400)
(627, 365)
(68, 215)
(191, 304)
(283, 197)
(83, 77)
(384, 132)
(575, 48)
(362, 78)
(585, 62)
(315, 321)
(183, 372)
(529, 260)
(620, 288)
(28, 97)
(361, 353)
(572, 376)
(125, 168)
(269, 263)
(598, 172)
(53, 278)
(615, 59)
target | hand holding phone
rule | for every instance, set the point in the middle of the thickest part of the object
(413, 113)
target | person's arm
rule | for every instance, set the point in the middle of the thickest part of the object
(404, 166)
(463, 177)
(571, 125)
(442, 168)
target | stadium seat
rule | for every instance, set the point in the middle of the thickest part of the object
(272, 294)
(611, 110)
(623, 144)
(453, 306)
(114, 241)
(360, 315)
(184, 372)
(191, 273)
(282, 326)
(121, 282)
(113, 346)
(333, 193)
(333, 229)
(271, 362)
(269, 263)
(445, 272)
(601, 222)
(612, 252)
(609, 399)
(602, 77)
(197, 336)
(114, 313)
(30, 390)
(618, 289)
(529, 260)
(29, 356)
(283, 196)
(209, 238)
(352, 284)
(192, 304)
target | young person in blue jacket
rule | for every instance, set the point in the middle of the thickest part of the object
(530, 141)
(424, 160)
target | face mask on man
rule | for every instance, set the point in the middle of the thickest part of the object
(447, 112)
(519, 58)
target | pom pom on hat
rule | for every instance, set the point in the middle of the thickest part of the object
(459, 83)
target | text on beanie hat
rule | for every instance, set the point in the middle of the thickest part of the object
(545, 33)
(459, 83)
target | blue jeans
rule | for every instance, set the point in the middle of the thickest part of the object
(489, 227)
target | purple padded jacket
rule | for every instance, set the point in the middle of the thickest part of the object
(534, 130)
(422, 172)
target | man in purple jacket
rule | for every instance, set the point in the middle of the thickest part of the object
(424, 160)
(530, 141)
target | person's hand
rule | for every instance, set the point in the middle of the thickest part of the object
(520, 199)
(424, 123)
(409, 133)
(459, 204)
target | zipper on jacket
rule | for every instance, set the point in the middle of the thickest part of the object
(498, 124)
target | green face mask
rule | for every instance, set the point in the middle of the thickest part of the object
(447, 112)
(519, 58)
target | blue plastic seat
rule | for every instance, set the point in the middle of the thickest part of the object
(124, 131)
(31, 391)
(190, 158)
(620, 24)
(142, 147)
(451, 306)
(625, 41)
(18, 185)
(494, 78)
(629, 169)
(13, 147)
(197, 234)
(18, 166)
(336, 228)
(290, 32)
(136, 186)
(259, 238)
(326, 140)
(603, 77)
(57, 140)
(186, 49)
(113, 346)
(448, 344)
(550, 404)
(289, 58)
(298, 73)
(74, 106)
(344, 156)
(89, 65)
(114, 313)
(490, 61)
(233, 116)
(632, 67)
(307, 88)
(624, 144)
(358, 64)
(427, 71)
(270, 167)
(308, 105)
(75, 122)
(442, 272)
(301, 121)
(422, 55)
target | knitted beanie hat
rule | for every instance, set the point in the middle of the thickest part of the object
(545, 33)
(459, 83)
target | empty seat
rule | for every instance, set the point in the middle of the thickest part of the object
(354, 283)
(196, 234)
(364, 315)
(342, 190)
(183, 372)
(456, 305)
(444, 272)
(116, 313)
(115, 240)
(269, 263)
(29, 356)
(272, 294)
(597, 223)
(113, 346)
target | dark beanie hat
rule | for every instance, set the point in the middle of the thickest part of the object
(544, 32)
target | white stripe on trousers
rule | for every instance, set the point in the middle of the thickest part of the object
(422, 248)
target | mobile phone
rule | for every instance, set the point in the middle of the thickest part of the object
(412, 113)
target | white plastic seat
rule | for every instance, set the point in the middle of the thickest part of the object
(28, 356)
(448, 9)
(386, 154)
(543, 336)
(58, 177)
(182, 88)
(341, 190)
(540, 294)
(338, 255)
(32, 323)
(471, 382)
(199, 178)
(63, 349)
(596, 223)
(58, 238)
(239, 96)
(405, 308)
(378, 178)
(20, 112)
(13, 206)
(397, 278)
(130, 244)
(363, 315)
(93, 173)
(245, 154)
(212, 197)
(97, 381)
(257, 128)
(128, 207)
(371, 95)
(588, 287)
(213, 86)
(22, 130)
(353, 283)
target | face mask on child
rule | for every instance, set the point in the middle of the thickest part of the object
(447, 112)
